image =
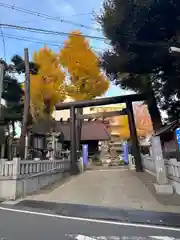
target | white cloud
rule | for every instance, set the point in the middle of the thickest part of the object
(63, 8)
(67, 10)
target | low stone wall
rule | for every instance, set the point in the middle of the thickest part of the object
(172, 171)
(19, 178)
(11, 189)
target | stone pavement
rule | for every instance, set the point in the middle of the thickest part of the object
(118, 188)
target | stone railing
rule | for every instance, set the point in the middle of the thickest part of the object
(21, 177)
(21, 168)
(173, 168)
(173, 173)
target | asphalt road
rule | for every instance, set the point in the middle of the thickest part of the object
(26, 225)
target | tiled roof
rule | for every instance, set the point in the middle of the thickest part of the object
(91, 130)
(168, 128)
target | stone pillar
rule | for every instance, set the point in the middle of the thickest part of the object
(16, 168)
(53, 146)
(26, 147)
(131, 164)
(162, 187)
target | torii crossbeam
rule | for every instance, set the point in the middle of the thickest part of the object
(128, 99)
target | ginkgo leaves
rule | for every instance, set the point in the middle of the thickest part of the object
(77, 61)
(47, 85)
(82, 64)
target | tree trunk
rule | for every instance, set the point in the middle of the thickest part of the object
(13, 129)
(47, 109)
(26, 106)
(154, 111)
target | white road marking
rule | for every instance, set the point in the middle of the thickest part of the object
(84, 237)
(163, 238)
(92, 220)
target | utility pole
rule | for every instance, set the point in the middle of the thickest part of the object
(1, 79)
(1, 83)
(26, 105)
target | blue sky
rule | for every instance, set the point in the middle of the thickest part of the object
(78, 11)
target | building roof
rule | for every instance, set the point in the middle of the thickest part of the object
(91, 130)
(168, 128)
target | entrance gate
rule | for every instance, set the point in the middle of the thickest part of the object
(128, 99)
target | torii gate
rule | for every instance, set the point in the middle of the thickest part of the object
(128, 99)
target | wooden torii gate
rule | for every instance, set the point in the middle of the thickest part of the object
(128, 99)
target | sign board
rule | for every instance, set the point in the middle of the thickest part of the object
(178, 137)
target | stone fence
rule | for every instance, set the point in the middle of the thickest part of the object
(173, 173)
(21, 177)
(172, 168)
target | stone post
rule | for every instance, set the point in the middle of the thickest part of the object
(131, 164)
(26, 147)
(38, 164)
(162, 187)
(2, 163)
(16, 167)
(53, 145)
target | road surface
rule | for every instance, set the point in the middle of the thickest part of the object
(19, 224)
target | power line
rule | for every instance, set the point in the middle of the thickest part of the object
(45, 31)
(81, 14)
(32, 40)
(40, 41)
(46, 16)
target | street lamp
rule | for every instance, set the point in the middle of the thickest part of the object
(174, 50)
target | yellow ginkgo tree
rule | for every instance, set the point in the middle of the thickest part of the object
(47, 87)
(85, 78)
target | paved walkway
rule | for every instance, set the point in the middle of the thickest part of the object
(119, 188)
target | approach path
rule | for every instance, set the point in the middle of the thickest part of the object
(119, 188)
